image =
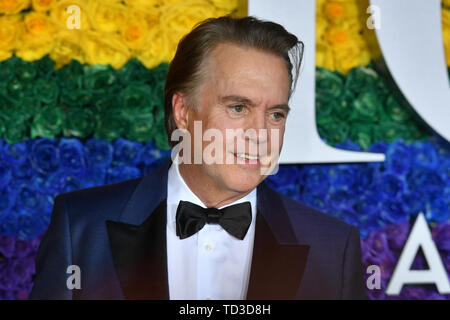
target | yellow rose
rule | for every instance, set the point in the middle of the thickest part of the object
(178, 19)
(104, 48)
(446, 3)
(43, 5)
(157, 50)
(347, 58)
(65, 20)
(13, 6)
(446, 34)
(321, 26)
(324, 56)
(135, 31)
(10, 30)
(337, 37)
(5, 55)
(106, 16)
(225, 5)
(336, 11)
(37, 39)
(67, 46)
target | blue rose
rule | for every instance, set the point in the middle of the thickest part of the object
(391, 187)
(99, 152)
(5, 174)
(438, 208)
(392, 211)
(23, 172)
(72, 156)
(349, 145)
(314, 199)
(315, 177)
(122, 173)
(127, 153)
(29, 199)
(398, 158)
(413, 203)
(15, 154)
(425, 155)
(8, 197)
(44, 155)
(342, 176)
(287, 176)
(340, 199)
(379, 147)
(95, 176)
(425, 182)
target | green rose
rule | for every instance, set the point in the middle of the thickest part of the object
(329, 85)
(24, 71)
(333, 131)
(361, 79)
(100, 79)
(44, 67)
(361, 134)
(48, 122)
(110, 125)
(46, 90)
(134, 72)
(70, 74)
(395, 111)
(27, 107)
(344, 106)
(14, 125)
(137, 100)
(75, 97)
(80, 123)
(140, 128)
(366, 107)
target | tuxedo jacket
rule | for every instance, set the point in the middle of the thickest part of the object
(116, 235)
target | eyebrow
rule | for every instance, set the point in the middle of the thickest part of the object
(244, 100)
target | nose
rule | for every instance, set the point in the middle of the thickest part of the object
(258, 129)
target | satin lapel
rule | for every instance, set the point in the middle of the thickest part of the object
(278, 259)
(138, 239)
(140, 256)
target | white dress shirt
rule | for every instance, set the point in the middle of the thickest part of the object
(211, 264)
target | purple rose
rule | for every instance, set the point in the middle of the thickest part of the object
(376, 251)
(441, 236)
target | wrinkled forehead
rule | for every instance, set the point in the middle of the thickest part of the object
(235, 69)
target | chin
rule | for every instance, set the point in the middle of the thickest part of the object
(242, 181)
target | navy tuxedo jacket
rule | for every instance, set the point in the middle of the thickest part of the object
(116, 235)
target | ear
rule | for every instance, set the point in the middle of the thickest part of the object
(180, 110)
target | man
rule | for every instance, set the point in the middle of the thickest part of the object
(206, 226)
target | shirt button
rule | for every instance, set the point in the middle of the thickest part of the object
(208, 247)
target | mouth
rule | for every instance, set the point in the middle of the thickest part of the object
(246, 159)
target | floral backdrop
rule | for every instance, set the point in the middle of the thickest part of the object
(84, 107)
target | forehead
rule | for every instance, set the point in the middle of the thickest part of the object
(235, 69)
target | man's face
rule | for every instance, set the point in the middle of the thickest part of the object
(244, 88)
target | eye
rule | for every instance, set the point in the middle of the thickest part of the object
(278, 115)
(239, 108)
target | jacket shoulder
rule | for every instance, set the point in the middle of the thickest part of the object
(310, 222)
(105, 201)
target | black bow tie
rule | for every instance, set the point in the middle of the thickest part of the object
(234, 219)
